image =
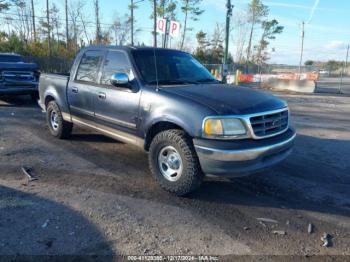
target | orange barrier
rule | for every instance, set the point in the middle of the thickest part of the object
(246, 78)
(250, 78)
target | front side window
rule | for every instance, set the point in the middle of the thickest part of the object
(89, 66)
(115, 62)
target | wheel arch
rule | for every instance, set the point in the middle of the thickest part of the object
(48, 99)
(158, 127)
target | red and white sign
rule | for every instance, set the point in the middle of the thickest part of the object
(174, 29)
(161, 25)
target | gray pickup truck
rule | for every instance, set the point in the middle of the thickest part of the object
(18, 77)
(165, 102)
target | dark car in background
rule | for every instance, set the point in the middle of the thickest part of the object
(18, 77)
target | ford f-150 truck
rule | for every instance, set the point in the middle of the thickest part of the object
(18, 77)
(165, 102)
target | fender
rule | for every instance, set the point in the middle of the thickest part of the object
(60, 99)
(170, 119)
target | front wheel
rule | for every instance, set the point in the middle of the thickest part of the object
(174, 162)
(58, 127)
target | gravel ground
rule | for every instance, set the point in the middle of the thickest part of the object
(96, 196)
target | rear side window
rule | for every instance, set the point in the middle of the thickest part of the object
(115, 62)
(89, 66)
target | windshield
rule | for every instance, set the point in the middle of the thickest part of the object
(10, 59)
(173, 67)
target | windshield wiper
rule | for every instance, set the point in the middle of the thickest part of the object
(172, 82)
(207, 80)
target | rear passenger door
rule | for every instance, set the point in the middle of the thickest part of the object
(81, 89)
(117, 107)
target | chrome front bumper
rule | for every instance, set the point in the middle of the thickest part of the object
(250, 157)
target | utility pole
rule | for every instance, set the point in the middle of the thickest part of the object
(132, 22)
(302, 46)
(132, 18)
(98, 25)
(167, 33)
(344, 66)
(33, 20)
(66, 11)
(228, 17)
(48, 27)
(155, 23)
(166, 25)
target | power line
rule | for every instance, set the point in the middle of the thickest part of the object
(58, 19)
(302, 46)
(92, 24)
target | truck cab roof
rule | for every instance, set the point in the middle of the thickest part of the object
(10, 58)
(127, 48)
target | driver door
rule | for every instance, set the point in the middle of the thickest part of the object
(116, 107)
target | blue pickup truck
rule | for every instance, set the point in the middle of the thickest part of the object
(165, 102)
(18, 77)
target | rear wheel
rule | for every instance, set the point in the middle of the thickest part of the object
(58, 127)
(174, 162)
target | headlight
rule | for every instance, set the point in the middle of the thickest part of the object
(223, 127)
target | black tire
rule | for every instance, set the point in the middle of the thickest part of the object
(191, 176)
(62, 129)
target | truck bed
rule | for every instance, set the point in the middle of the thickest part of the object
(54, 85)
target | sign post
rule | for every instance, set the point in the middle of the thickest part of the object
(161, 25)
(174, 29)
(167, 28)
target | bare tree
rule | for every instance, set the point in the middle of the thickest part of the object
(98, 37)
(48, 26)
(4, 5)
(191, 10)
(83, 23)
(218, 36)
(217, 40)
(22, 24)
(55, 24)
(256, 11)
(8, 21)
(75, 13)
(66, 15)
(239, 33)
(33, 20)
(120, 29)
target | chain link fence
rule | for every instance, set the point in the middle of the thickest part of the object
(57, 65)
(261, 69)
(331, 80)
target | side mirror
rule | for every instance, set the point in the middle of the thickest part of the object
(120, 80)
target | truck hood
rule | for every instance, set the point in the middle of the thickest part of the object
(18, 66)
(228, 99)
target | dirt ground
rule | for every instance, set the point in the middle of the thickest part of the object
(96, 196)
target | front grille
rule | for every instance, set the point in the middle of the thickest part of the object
(269, 124)
(18, 76)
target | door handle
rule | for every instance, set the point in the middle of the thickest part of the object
(101, 95)
(75, 90)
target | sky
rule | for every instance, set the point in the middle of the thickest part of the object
(326, 28)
